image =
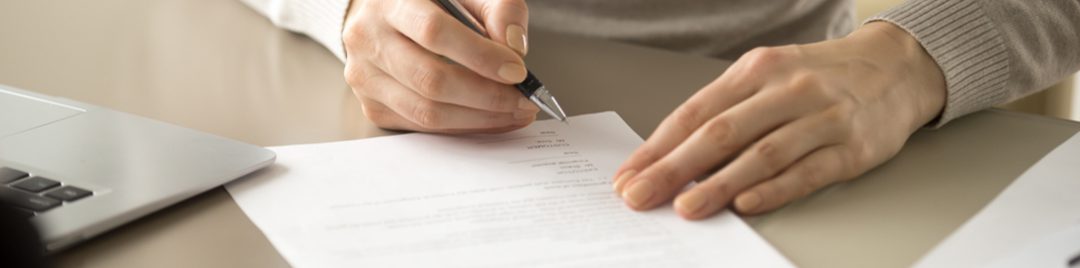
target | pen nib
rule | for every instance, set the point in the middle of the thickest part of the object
(548, 104)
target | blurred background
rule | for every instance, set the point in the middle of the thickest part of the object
(1060, 100)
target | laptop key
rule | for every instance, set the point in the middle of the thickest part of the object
(36, 184)
(23, 214)
(68, 193)
(9, 174)
(28, 201)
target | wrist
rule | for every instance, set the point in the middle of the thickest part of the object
(918, 74)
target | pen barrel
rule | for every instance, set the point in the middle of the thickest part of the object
(529, 85)
(461, 14)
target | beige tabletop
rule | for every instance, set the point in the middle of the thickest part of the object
(217, 66)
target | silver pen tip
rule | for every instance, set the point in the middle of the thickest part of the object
(548, 104)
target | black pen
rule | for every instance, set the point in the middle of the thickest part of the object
(531, 87)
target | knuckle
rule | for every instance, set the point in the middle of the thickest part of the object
(357, 78)
(428, 27)
(853, 160)
(351, 35)
(429, 80)
(840, 116)
(812, 178)
(807, 84)
(770, 158)
(355, 21)
(667, 174)
(645, 154)
(381, 117)
(762, 58)
(773, 195)
(425, 115)
(359, 41)
(722, 132)
(722, 189)
(768, 192)
(846, 163)
(686, 118)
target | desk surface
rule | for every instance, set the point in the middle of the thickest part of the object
(218, 67)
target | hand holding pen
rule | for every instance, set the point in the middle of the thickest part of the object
(395, 65)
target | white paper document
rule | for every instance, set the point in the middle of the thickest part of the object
(536, 197)
(1035, 211)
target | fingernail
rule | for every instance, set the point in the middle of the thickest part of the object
(639, 193)
(691, 203)
(748, 202)
(512, 72)
(621, 180)
(516, 39)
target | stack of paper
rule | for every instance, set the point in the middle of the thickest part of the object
(539, 196)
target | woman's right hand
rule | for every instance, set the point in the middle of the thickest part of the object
(415, 67)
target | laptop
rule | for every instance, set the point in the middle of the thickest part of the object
(76, 170)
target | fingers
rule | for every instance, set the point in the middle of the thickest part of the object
(386, 118)
(739, 82)
(762, 161)
(433, 78)
(821, 168)
(399, 65)
(432, 28)
(705, 104)
(507, 21)
(425, 114)
(779, 124)
(714, 143)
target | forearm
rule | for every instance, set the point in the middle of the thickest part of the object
(993, 51)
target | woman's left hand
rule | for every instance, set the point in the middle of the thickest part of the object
(783, 122)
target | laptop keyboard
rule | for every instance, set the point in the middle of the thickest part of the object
(34, 194)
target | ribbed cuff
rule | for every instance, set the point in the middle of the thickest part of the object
(322, 20)
(965, 44)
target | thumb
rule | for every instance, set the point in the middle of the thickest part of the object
(506, 21)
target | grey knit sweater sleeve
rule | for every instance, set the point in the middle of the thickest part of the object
(993, 51)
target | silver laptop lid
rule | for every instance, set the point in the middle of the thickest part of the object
(133, 165)
(20, 112)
